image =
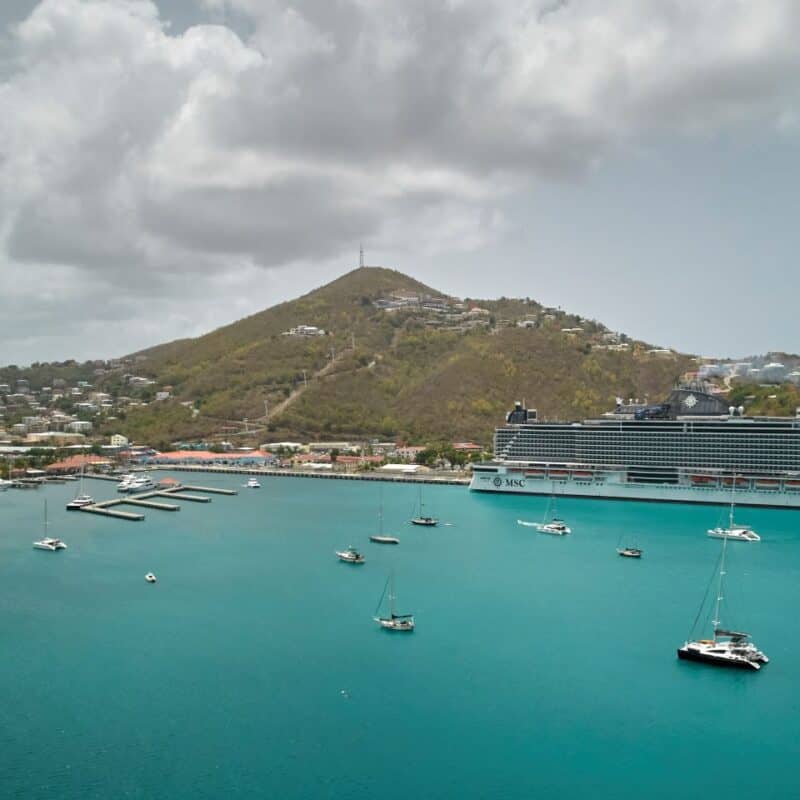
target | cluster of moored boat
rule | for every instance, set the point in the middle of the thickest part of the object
(725, 647)
(392, 621)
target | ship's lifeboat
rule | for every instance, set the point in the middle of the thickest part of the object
(792, 486)
(535, 473)
(768, 483)
(740, 482)
(582, 475)
(704, 480)
(559, 474)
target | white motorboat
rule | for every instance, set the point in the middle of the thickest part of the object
(150, 578)
(124, 484)
(401, 623)
(252, 484)
(4, 484)
(350, 556)
(48, 542)
(141, 483)
(726, 648)
(629, 552)
(735, 532)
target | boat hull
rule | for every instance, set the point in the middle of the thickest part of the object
(384, 539)
(687, 654)
(506, 478)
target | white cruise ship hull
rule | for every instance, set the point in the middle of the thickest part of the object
(611, 484)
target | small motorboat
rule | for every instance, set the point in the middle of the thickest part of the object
(350, 556)
(629, 552)
(384, 539)
(150, 578)
(252, 484)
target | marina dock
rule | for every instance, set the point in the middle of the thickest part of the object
(110, 508)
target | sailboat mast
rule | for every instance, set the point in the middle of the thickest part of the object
(721, 587)
(392, 608)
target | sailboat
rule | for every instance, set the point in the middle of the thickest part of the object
(423, 518)
(555, 526)
(80, 500)
(739, 533)
(726, 648)
(379, 537)
(46, 542)
(394, 622)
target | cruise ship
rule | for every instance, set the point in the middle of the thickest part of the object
(692, 448)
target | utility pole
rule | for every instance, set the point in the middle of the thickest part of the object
(361, 256)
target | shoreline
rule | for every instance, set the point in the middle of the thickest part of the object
(450, 480)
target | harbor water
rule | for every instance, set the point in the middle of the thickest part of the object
(541, 666)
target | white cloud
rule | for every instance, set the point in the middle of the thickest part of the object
(133, 161)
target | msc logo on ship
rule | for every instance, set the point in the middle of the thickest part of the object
(513, 483)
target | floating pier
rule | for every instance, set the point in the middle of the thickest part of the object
(145, 500)
(111, 512)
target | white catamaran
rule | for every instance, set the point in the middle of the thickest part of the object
(726, 648)
(738, 533)
(47, 542)
(555, 526)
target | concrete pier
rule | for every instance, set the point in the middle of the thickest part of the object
(180, 495)
(111, 512)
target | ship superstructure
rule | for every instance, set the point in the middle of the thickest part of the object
(691, 448)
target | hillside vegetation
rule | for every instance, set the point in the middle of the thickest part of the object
(402, 374)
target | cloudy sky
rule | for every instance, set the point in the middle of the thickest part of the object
(169, 166)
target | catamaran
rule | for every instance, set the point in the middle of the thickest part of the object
(726, 648)
(394, 622)
(738, 533)
(422, 518)
(555, 526)
(47, 542)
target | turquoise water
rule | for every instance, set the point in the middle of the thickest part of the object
(541, 666)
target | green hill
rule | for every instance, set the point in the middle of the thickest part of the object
(411, 373)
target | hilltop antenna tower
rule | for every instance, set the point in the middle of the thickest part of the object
(361, 256)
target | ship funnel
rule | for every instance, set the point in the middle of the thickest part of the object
(741, 411)
(732, 410)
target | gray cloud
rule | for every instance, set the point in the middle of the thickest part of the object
(133, 158)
